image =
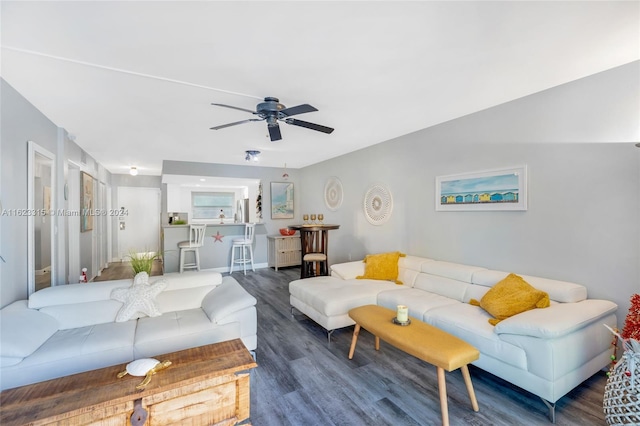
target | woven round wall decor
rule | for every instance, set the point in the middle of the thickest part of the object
(378, 204)
(333, 193)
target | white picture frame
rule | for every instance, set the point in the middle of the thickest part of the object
(495, 189)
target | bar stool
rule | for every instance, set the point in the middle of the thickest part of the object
(243, 244)
(196, 240)
(311, 262)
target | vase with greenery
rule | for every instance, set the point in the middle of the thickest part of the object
(142, 262)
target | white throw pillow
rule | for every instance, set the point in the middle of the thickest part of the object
(140, 297)
(24, 331)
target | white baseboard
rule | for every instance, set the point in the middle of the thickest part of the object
(225, 269)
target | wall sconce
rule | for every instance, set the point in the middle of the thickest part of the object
(133, 171)
(252, 155)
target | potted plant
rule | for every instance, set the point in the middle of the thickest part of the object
(142, 262)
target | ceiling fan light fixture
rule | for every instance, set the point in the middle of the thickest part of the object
(252, 155)
(272, 111)
(133, 171)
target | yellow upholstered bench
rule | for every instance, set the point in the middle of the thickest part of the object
(421, 340)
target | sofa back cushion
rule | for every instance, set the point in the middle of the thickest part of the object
(23, 331)
(75, 293)
(409, 267)
(446, 279)
(187, 290)
(443, 286)
(559, 291)
(81, 305)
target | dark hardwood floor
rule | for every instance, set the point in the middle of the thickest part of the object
(302, 381)
(122, 270)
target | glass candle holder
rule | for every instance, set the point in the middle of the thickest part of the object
(305, 219)
(320, 218)
(313, 218)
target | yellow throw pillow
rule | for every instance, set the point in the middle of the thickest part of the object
(383, 266)
(511, 296)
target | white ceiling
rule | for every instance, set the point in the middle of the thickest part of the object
(134, 81)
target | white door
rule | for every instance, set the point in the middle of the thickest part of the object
(138, 226)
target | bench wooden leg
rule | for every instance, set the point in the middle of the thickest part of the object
(354, 340)
(442, 389)
(467, 381)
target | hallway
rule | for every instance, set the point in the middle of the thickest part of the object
(123, 270)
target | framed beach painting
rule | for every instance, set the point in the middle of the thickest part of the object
(86, 203)
(497, 189)
(281, 200)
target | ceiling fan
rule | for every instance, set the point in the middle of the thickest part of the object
(272, 111)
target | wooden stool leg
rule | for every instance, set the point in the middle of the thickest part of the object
(467, 381)
(377, 343)
(354, 339)
(442, 388)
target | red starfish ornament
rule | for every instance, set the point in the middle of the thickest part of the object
(217, 237)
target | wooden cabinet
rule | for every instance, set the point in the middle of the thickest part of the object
(284, 250)
(206, 385)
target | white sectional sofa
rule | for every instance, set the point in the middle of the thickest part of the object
(71, 328)
(546, 351)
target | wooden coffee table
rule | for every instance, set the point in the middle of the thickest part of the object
(424, 341)
(202, 386)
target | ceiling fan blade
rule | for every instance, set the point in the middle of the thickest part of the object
(274, 132)
(235, 123)
(312, 126)
(234, 107)
(300, 109)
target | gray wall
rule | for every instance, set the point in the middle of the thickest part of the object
(21, 122)
(583, 219)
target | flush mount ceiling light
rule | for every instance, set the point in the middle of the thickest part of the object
(133, 171)
(252, 155)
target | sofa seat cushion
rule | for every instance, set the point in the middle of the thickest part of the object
(418, 301)
(173, 331)
(23, 331)
(470, 324)
(72, 351)
(334, 296)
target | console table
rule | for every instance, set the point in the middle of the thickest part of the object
(204, 385)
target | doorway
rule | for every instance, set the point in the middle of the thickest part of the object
(138, 219)
(40, 224)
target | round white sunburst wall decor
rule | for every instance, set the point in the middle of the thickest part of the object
(378, 204)
(333, 193)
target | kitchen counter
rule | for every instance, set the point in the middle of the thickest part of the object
(216, 252)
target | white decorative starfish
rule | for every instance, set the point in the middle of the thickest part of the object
(140, 297)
